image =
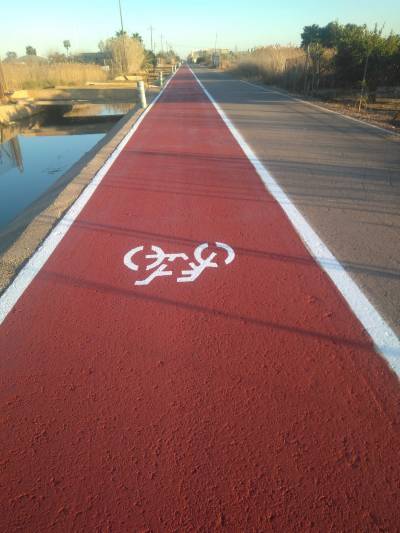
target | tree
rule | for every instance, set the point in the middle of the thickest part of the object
(371, 43)
(127, 53)
(30, 51)
(327, 36)
(355, 47)
(150, 60)
(138, 37)
(170, 58)
(390, 60)
(330, 34)
(67, 45)
(11, 56)
(351, 55)
(311, 34)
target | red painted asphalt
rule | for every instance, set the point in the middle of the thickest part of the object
(250, 400)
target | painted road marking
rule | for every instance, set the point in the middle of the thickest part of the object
(161, 260)
(386, 341)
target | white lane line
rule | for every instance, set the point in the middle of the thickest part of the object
(384, 338)
(296, 99)
(12, 294)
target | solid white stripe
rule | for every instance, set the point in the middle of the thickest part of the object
(384, 338)
(36, 262)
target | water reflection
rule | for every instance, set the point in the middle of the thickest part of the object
(110, 109)
(35, 153)
(10, 155)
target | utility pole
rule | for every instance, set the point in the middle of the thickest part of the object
(215, 51)
(124, 59)
(162, 44)
(151, 38)
(120, 14)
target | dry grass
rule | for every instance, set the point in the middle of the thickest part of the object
(23, 76)
(280, 65)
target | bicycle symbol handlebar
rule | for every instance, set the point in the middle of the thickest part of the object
(161, 260)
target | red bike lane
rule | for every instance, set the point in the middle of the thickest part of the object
(235, 395)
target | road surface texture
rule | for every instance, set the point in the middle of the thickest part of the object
(249, 399)
(343, 175)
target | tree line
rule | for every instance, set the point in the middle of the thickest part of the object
(123, 53)
(352, 55)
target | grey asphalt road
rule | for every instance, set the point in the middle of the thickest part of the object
(344, 176)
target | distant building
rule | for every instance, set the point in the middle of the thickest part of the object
(210, 54)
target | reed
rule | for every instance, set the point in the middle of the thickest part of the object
(25, 76)
(273, 65)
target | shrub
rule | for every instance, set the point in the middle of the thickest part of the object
(127, 54)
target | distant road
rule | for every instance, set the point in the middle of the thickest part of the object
(174, 359)
(343, 175)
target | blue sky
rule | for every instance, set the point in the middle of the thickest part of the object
(187, 25)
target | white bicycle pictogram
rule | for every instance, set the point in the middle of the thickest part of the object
(161, 259)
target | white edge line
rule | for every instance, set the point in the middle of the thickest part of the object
(27, 274)
(312, 104)
(384, 338)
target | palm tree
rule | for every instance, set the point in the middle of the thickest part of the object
(138, 37)
(67, 45)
